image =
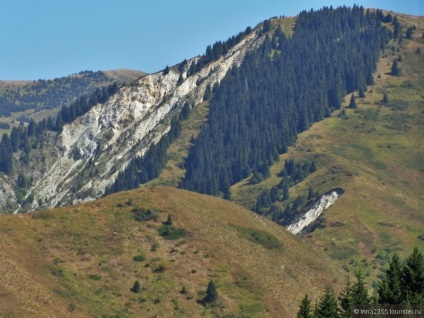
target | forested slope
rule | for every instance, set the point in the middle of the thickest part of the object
(279, 90)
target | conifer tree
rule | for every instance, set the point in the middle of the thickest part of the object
(352, 103)
(360, 290)
(327, 307)
(390, 289)
(305, 310)
(395, 68)
(385, 99)
(412, 278)
(211, 293)
(169, 220)
(346, 301)
(136, 287)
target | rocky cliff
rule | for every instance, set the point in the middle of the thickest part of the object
(94, 148)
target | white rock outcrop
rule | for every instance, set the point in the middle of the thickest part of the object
(110, 135)
(323, 203)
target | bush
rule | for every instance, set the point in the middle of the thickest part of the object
(141, 214)
(139, 258)
(136, 287)
(95, 277)
(170, 232)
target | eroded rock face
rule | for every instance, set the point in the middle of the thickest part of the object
(98, 145)
(322, 203)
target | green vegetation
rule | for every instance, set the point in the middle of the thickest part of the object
(139, 258)
(401, 284)
(211, 293)
(253, 115)
(141, 214)
(170, 232)
(263, 238)
(95, 277)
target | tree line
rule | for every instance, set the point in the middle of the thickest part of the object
(402, 283)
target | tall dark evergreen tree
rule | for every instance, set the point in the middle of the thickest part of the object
(412, 278)
(352, 103)
(395, 68)
(211, 293)
(390, 287)
(327, 307)
(305, 309)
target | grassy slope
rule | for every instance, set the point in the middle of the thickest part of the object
(47, 258)
(376, 155)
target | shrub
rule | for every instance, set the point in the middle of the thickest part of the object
(170, 232)
(136, 287)
(95, 277)
(141, 214)
(139, 258)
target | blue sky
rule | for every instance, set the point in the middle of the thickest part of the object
(53, 38)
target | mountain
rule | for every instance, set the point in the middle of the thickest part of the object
(103, 141)
(80, 260)
(312, 120)
(23, 100)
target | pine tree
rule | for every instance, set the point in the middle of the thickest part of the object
(361, 92)
(352, 103)
(412, 278)
(211, 293)
(385, 99)
(169, 220)
(305, 310)
(360, 290)
(311, 193)
(395, 69)
(346, 301)
(136, 287)
(327, 307)
(389, 289)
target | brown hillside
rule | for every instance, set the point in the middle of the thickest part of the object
(78, 261)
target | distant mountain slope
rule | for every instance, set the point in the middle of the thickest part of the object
(28, 97)
(78, 261)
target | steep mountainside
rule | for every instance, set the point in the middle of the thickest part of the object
(92, 150)
(80, 260)
(375, 153)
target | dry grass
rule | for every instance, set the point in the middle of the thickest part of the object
(49, 257)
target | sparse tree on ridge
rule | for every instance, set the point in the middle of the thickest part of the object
(395, 68)
(352, 103)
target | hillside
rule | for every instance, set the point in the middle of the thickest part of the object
(78, 261)
(23, 100)
(375, 153)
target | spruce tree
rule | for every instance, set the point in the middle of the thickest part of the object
(385, 99)
(412, 278)
(390, 289)
(360, 290)
(327, 307)
(305, 310)
(169, 220)
(136, 287)
(352, 103)
(395, 69)
(346, 301)
(211, 293)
